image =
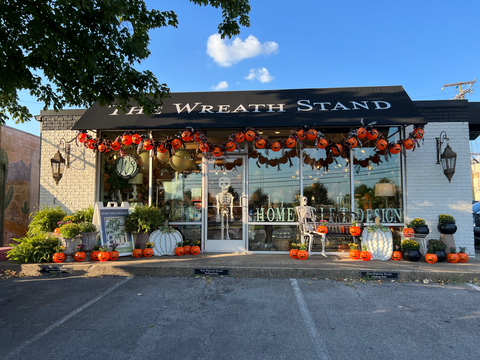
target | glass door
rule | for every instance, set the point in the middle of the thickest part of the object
(225, 205)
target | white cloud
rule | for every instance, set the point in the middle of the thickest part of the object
(261, 74)
(226, 53)
(222, 85)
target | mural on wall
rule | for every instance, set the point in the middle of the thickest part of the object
(19, 181)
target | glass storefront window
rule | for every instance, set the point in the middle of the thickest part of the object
(190, 232)
(378, 182)
(272, 237)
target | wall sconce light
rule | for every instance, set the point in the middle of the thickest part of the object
(448, 158)
(58, 163)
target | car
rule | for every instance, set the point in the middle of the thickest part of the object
(476, 220)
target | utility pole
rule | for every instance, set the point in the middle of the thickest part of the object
(462, 92)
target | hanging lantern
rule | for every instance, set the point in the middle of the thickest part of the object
(126, 140)
(58, 166)
(136, 139)
(161, 148)
(143, 162)
(91, 144)
(322, 143)
(276, 146)
(239, 137)
(82, 137)
(311, 134)
(187, 136)
(181, 160)
(250, 135)
(395, 149)
(261, 143)
(337, 149)
(217, 151)
(361, 133)
(290, 142)
(203, 147)
(148, 145)
(101, 147)
(116, 145)
(381, 144)
(372, 135)
(230, 146)
(302, 135)
(176, 143)
(352, 142)
(408, 144)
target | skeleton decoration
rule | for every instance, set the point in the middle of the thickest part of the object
(224, 202)
(307, 223)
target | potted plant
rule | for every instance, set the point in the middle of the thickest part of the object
(397, 254)
(148, 251)
(70, 237)
(88, 232)
(59, 256)
(419, 226)
(45, 220)
(137, 252)
(114, 253)
(354, 229)
(294, 251)
(462, 255)
(411, 250)
(142, 222)
(322, 228)
(195, 250)
(354, 252)
(453, 256)
(179, 249)
(430, 256)
(186, 247)
(80, 254)
(365, 255)
(302, 252)
(104, 255)
(446, 224)
(438, 247)
(95, 252)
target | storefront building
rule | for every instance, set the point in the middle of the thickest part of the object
(244, 199)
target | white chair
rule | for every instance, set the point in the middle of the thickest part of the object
(308, 225)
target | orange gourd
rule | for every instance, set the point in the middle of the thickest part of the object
(290, 142)
(261, 143)
(372, 135)
(94, 255)
(82, 137)
(302, 254)
(311, 134)
(116, 145)
(230, 146)
(462, 257)
(354, 254)
(395, 149)
(187, 249)
(418, 133)
(179, 251)
(352, 142)
(250, 135)
(195, 250)
(276, 146)
(103, 256)
(361, 133)
(136, 139)
(137, 253)
(322, 143)
(148, 145)
(187, 136)
(408, 232)
(365, 255)
(355, 230)
(396, 255)
(217, 152)
(80, 256)
(240, 137)
(453, 258)
(176, 143)
(114, 255)
(203, 147)
(126, 140)
(431, 258)
(381, 144)
(337, 149)
(294, 253)
(322, 229)
(408, 144)
(58, 257)
(148, 252)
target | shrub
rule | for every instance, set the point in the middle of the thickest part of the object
(144, 219)
(446, 219)
(410, 245)
(417, 222)
(45, 220)
(70, 230)
(87, 227)
(84, 215)
(436, 245)
(39, 248)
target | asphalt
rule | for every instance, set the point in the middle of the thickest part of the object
(337, 266)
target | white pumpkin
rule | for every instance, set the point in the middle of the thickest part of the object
(379, 241)
(165, 241)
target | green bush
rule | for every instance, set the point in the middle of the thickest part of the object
(45, 220)
(70, 230)
(144, 219)
(446, 219)
(39, 248)
(84, 215)
(86, 227)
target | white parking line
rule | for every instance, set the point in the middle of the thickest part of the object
(65, 318)
(474, 286)
(317, 341)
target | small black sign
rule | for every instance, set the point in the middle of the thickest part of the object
(47, 270)
(379, 275)
(212, 272)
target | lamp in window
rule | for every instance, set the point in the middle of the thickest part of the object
(135, 181)
(448, 158)
(385, 190)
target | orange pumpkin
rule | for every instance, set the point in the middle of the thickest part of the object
(396, 255)
(57, 231)
(114, 255)
(58, 257)
(361, 133)
(294, 253)
(322, 229)
(148, 145)
(301, 134)
(418, 133)
(231, 146)
(311, 134)
(354, 254)
(179, 251)
(261, 143)
(365, 255)
(290, 142)
(187, 136)
(395, 149)
(176, 143)
(372, 135)
(408, 232)
(103, 256)
(250, 135)
(195, 250)
(80, 256)
(276, 146)
(337, 149)
(203, 147)
(322, 143)
(352, 142)
(239, 137)
(101, 147)
(302, 254)
(161, 148)
(381, 144)
(148, 252)
(116, 145)
(187, 249)
(453, 258)
(431, 258)
(94, 255)
(82, 137)
(355, 230)
(137, 253)
(408, 144)
(217, 152)
(136, 139)
(462, 257)
(126, 140)
(91, 144)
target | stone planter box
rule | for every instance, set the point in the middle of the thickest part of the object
(70, 247)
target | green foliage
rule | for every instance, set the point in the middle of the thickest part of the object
(410, 245)
(430, 250)
(84, 215)
(45, 220)
(416, 222)
(446, 219)
(86, 227)
(78, 52)
(436, 245)
(302, 247)
(25, 208)
(186, 242)
(144, 219)
(353, 246)
(453, 250)
(462, 250)
(39, 248)
(70, 231)
(364, 247)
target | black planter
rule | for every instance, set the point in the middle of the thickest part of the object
(441, 256)
(411, 255)
(447, 228)
(423, 230)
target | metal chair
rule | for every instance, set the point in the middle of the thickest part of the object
(308, 225)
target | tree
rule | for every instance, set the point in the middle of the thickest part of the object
(76, 52)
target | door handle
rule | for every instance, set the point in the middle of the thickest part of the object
(244, 201)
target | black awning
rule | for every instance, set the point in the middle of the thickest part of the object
(387, 105)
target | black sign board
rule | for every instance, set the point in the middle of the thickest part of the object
(379, 275)
(212, 272)
(48, 270)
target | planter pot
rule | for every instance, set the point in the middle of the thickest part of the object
(423, 230)
(58, 257)
(148, 252)
(89, 239)
(354, 254)
(294, 253)
(462, 257)
(411, 255)
(195, 250)
(142, 239)
(70, 246)
(137, 253)
(431, 258)
(441, 256)
(94, 255)
(453, 258)
(80, 256)
(448, 229)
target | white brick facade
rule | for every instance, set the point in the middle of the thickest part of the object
(428, 191)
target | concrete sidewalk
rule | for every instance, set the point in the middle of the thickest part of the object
(260, 266)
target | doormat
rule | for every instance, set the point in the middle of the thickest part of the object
(212, 272)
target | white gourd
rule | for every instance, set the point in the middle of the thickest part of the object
(379, 241)
(165, 240)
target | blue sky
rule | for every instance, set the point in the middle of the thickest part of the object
(420, 45)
